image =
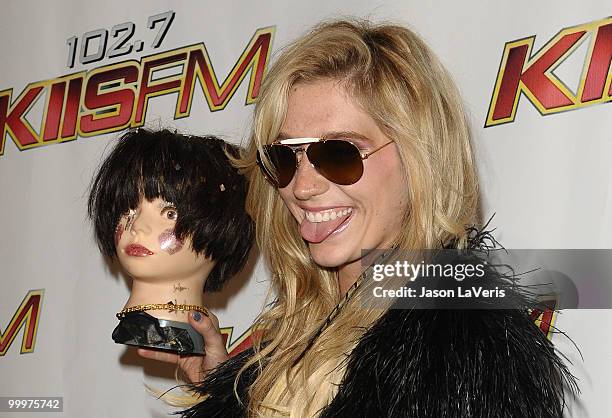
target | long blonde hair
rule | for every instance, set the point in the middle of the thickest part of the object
(400, 83)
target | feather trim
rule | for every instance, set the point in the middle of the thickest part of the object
(217, 390)
(452, 363)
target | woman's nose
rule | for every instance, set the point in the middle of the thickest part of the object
(307, 182)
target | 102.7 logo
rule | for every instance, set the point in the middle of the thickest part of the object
(93, 43)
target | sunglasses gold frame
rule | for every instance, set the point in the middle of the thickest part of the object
(292, 143)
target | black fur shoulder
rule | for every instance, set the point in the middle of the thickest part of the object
(452, 363)
(468, 360)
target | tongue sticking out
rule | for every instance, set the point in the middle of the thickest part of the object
(316, 232)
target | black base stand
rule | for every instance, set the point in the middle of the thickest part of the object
(144, 330)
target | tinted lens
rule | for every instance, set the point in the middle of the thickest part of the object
(338, 161)
(283, 160)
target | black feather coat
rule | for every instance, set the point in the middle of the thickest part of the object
(438, 363)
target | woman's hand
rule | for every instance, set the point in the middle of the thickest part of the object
(196, 367)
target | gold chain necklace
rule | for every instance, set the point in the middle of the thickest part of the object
(349, 294)
(170, 307)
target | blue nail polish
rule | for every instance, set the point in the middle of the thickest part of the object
(197, 316)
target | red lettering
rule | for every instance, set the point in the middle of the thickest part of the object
(534, 77)
(147, 88)
(539, 83)
(12, 120)
(506, 99)
(254, 57)
(73, 105)
(599, 67)
(245, 341)
(119, 102)
(544, 317)
(55, 105)
(520, 73)
(28, 312)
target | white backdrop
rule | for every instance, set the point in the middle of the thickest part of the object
(547, 177)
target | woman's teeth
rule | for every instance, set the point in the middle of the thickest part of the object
(327, 215)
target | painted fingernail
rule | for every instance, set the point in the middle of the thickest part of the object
(197, 316)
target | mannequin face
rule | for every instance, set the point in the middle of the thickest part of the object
(148, 250)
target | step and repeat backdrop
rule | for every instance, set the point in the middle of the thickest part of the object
(535, 77)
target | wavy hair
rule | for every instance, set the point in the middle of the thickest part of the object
(397, 80)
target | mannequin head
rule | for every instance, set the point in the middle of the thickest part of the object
(185, 188)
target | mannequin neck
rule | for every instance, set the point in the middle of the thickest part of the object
(185, 291)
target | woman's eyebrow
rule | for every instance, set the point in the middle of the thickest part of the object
(355, 137)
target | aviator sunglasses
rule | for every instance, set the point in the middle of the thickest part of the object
(339, 161)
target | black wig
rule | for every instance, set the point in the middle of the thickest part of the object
(195, 174)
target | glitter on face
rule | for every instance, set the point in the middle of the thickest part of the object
(130, 219)
(169, 243)
(118, 233)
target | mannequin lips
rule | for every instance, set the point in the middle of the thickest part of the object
(137, 250)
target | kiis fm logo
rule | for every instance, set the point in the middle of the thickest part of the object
(114, 97)
(522, 72)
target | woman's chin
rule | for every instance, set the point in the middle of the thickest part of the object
(326, 256)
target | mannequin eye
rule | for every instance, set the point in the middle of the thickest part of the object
(170, 213)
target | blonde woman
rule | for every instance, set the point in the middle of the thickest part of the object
(359, 141)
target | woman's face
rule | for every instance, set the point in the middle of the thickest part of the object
(374, 205)
(148, 249)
